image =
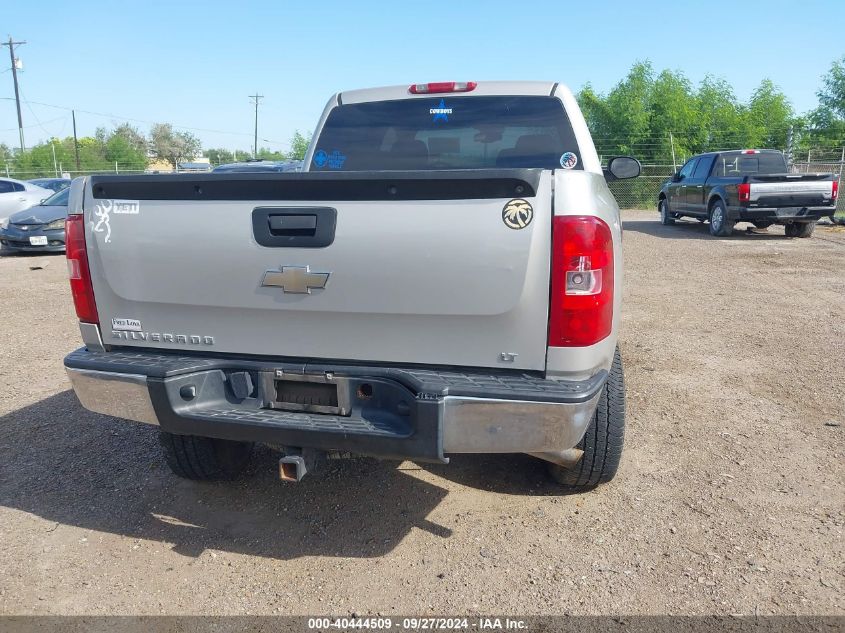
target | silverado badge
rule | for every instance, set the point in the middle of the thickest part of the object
(295, 279)
(517, 214)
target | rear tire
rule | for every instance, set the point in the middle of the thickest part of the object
(800, 229)
(602, 443)
(720, 225)
(666, 218)
(204, 458)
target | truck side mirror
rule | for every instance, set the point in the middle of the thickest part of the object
(622, 167)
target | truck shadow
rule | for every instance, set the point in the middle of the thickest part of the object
(73, 467)
(508, 474)
(693, 230)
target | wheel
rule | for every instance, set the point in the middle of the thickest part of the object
(762, 224)
(800, 229)
(666, 218)
(720, 225)
(204, 458)
(602, 443)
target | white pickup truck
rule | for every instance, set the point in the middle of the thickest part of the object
(445, 277)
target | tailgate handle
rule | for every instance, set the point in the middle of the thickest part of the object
(293, 224)
(294, 227)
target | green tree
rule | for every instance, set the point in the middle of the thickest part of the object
(172, 146)
(832, 94)
(768, 117)
(38, 159)
(825, 126)
(719, 115)
(594, 109)
(127, 147)
(673, 115)
(265, 153)
(298, 146)
(220, 155)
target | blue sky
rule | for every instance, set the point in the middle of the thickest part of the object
(195, 63)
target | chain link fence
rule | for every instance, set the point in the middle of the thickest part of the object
(641, 193)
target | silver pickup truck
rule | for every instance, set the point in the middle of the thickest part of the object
(445, 277)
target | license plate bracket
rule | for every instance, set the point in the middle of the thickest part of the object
(312, 393)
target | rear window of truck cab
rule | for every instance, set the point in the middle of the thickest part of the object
(447, 132)
(733, 164)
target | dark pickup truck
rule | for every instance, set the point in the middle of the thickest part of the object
(750, 185)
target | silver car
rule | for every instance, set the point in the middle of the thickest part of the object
(17, 195)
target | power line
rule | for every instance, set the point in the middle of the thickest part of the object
(41, 124)
(134, 120)
(38, 121)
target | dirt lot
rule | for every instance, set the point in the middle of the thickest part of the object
(730, 497)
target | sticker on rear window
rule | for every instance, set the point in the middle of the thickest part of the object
(320, 158)
(568, 160)
(441, 112)
(336, 159)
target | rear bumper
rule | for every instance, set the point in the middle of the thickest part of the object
(409, 414)
(780, 214)
(14, 239)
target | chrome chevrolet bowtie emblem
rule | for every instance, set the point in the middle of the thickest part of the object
(295, 279)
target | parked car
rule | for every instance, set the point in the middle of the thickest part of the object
(749, 185)
(38, 229)
(469, 303)
(259, 165)
(54, 184)
(16, 195)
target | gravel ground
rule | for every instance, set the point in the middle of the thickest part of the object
(729, 499)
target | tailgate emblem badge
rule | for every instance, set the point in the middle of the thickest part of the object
(517, 214)
(295, 279)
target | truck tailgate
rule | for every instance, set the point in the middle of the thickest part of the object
(418, 268)
(791, 190)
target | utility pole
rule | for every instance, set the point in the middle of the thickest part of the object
(75, 140)
(255, 98)
(11, 44)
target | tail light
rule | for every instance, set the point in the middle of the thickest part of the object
(834, 193)
(78, 271)
(744, 191)
(751, 151)
(442, 86)
(581, 306)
